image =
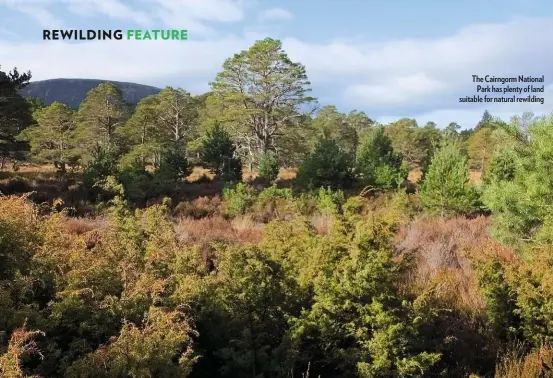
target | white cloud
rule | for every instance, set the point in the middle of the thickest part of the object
(178, 14)
(399, 90)
(420, 78)
(111, 8)
(42, 16)
(276, 14)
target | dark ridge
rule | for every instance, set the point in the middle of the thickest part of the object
(73, 91)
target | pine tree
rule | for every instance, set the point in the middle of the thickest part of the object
(101, 113)
(446, 188)
(377, 162)
(53, 139)
(328, 165)
(218, 154)
(519, 186)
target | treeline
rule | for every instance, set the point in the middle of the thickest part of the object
(312, 280)
(257, 115)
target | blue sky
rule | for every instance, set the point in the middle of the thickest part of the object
(389, 58)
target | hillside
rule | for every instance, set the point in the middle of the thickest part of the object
(73, 91)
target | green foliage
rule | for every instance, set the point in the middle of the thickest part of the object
(363, 325)
(175, 115)
(480, 148)
(518, 188)
(446, 188)
(260, 112)
(102, 165)
(218, 154)
(501, 307)
(377, 163)
(329, 201)
(238, 198)
(101, 113)
(415, 144)
(136, 183)
(54, 139)
(502, 166)
(15, 111)
(328, 165)
(173, 169)
(161, 346)
(268, 166)
(331, 124)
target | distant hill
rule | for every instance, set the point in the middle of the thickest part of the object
(73, 91)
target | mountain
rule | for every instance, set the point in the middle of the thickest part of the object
(73, 91)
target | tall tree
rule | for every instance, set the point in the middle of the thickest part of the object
(519, 185)
(480, 148)
(15, 111)
(101, 113)
(415, 144)
(218, 154)
(485, 121)
(446, 188)
(139, 134)
(329, 123)
(176, 114)
(261, 92)
(378, 163)
(451, 131)
(54, 139)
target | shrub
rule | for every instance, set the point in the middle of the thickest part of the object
(17, 184)
(274, 203)
(268, 166)
(199, 208)
(354, 206)
(218, 154)
(329, 201)
(328, 165)
(238, 198)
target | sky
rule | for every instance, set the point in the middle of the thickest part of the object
(389, 58)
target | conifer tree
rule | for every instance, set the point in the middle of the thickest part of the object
(218, 154)
(377, 162)
(54, 139)
(446, 188)
(101, 113)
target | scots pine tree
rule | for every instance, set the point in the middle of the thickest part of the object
(377, 162)
(519, 185)
(218, 154)
(446, 189)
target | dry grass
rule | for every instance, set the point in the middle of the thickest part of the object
(440, 250)
(217, 229)
(198, 172)
(287, 174)
(199, 208)
(475, 177)
(80, 226)
(537, 363)
(321, 222)
(414, 176)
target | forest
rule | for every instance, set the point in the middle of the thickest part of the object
(251, 232)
